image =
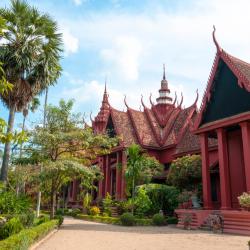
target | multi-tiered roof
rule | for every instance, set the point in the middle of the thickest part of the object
(165, 124)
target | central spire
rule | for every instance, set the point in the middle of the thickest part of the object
(164, 91)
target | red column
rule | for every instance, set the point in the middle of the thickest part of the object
(107, 181)
(100, 184)
(224, 169)
(245, 130)
(118, 177)
(74, 190)
(123, 180)
(206, 182)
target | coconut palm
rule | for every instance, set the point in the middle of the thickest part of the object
(30, 59)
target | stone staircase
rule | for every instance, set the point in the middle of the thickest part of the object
(237, 222)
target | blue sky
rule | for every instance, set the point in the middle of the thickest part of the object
(127, 41)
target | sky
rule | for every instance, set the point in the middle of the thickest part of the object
(127, 42)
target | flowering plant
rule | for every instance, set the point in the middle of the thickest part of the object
(244, 200)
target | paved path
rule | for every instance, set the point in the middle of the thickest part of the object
(82, 235)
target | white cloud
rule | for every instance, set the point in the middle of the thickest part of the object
(132, 47)
(71, 43)
(125, 56)
(77, 2)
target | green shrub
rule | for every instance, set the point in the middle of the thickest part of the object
(75, 212)
(127, 219)
(94, 211)
(107, 204)
(27, 219)
(162, 197)
(60, 211)
(42, 219)
(10, 203)
(142, 203)
(26, 237)
(60, 219)
(159, 220)
(12, 226)
(172, 220)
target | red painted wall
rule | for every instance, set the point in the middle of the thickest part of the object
(236, 166)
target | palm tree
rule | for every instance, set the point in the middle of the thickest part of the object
(32, 106)
(134, 167)
(30, 59)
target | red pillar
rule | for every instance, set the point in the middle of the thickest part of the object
(245, 130)
(118, 176)
(100, 184)
(224, 169)
(123, 180)
(108, 179)
(206, 182)
(74, 190)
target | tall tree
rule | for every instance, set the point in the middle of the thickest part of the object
(140, 169)
(63, 147)
(30, 56)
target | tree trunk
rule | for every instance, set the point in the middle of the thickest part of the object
(7, 148)
(39, 194)
(21, 146)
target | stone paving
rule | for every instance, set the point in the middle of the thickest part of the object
(82, 235)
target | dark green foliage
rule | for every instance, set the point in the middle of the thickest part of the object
(12, 226)
(159, 220)
(172, 220)
(127, 219)
(24, 239)
(42, 219)
(12, 204)
(162, 197)
(27, 219)
(142, 203)
(60, 211)
(60, 219)
(185, 172)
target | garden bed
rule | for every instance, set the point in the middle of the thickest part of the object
(25, 238)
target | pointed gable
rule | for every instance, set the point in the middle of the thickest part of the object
(228, 90)
(228, 98)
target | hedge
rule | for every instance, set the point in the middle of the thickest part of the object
(102, 219)
(112, 220)
(24, 239)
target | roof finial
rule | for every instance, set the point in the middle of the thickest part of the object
(164, 72)
(125, 101)
(144, 106)
(105, 90)
(150, 99)
(91, 119)
(215, 40)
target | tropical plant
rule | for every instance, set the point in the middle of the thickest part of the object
(140, 168)
(30, 55)
(87, 199)
(162, 197)
(185, 172)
